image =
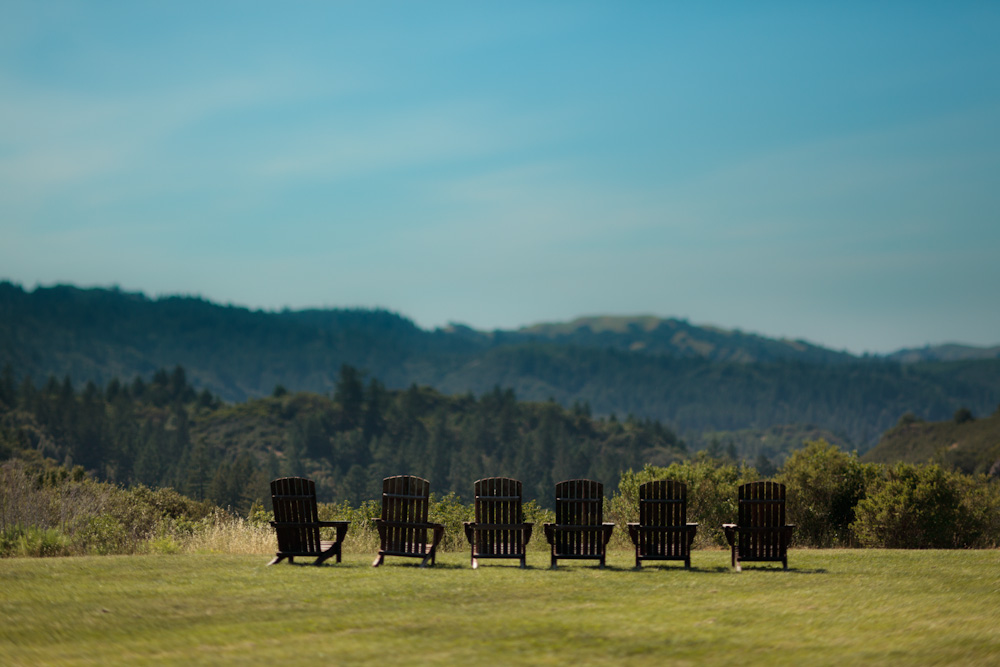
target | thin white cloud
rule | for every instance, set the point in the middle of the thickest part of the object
(56, 141)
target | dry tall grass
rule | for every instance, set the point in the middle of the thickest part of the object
(228, 534)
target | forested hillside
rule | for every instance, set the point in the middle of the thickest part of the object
(963, 442)
(162, 432)
(697, 380)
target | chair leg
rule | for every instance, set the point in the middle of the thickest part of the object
(378, 560)
(277, 559)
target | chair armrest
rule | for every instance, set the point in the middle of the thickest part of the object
(730, 530)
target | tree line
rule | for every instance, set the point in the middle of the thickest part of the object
(162, 432)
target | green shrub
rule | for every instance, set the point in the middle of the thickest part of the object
(927, 507)
(824, 484)
(164, 545)
(452, 513)
(32, 541)
(362, 537)
(104, 535)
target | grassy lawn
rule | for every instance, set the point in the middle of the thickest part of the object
(831, 607)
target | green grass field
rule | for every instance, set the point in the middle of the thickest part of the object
(831, 607)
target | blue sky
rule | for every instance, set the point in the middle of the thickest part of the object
(829, 173)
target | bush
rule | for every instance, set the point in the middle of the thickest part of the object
(362, 537)
(104, 535)
(86, 515)
(452, 513)
(32, 541)
(824, 484)
(963, 415)
(927, 507)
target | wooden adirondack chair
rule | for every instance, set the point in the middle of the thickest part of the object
(403, 527)
(760, 533)
(297, 525)
(499, 530)
(663, 532)
(579, 531)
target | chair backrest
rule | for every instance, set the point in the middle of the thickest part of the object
(761, 505)
(405, 500)
(762, 521)
(294, 502)
(663, 503)
(498, 501)
(579, 502)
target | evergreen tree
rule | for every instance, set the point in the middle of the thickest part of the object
(350, 396)
(8, 388)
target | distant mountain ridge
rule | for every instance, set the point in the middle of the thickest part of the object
(946, 352)
(675, 337)
(693, 378)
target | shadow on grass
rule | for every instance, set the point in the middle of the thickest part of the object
(790, 570)
(674, 568)
(722, 569)
(416, 566)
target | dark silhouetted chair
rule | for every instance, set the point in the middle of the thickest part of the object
(760, 533)
(297, 524)
(663, 532)
(403, 526)
(579, 531)
(499, 530)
